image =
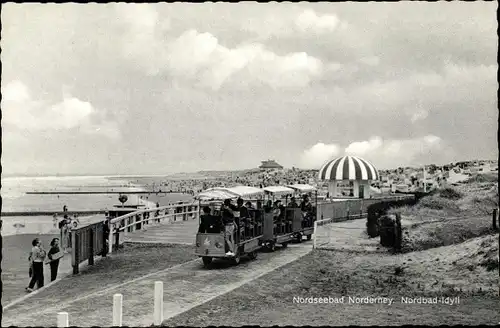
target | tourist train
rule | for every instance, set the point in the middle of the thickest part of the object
(263, 219)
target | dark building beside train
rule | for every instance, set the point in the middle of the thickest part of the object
(270, 164)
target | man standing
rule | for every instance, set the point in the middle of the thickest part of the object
(106, 232)
(229, 224)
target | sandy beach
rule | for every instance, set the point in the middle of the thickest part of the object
(15, 264)
(19, 231)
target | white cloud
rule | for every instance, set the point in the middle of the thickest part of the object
(419, 115)
(370, 61)
(200, 58)
(382, 153)
(20, 110)
(310, 21)
(16, 92)
(363, 147)
(393, 152)
(318, 154)
(298, 21)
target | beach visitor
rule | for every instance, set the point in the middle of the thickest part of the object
(54, 220)
(157, 213)
(37, 257)
(106, 232)
(65, 232)
(75, 218)
(65, 208)
(54, 256)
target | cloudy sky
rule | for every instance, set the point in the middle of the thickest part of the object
(160, 88)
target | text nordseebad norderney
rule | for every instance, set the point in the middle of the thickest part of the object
(376, 300)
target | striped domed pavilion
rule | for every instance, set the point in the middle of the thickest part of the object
(348, 176)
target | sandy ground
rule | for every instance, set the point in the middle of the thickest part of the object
(270, 299)
(353, 265)
(15, 267)
(185, 286)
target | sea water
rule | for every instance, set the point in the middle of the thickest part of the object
(15, 199)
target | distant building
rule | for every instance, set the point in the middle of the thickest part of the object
(270, 164)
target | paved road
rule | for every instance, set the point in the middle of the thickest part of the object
(180, 232)
(185, 287)
(347, 236)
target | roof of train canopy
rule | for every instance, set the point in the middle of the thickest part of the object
(278, 190)
(215, 194)
(228, 193)
(348, 168)
(245, 191)
(302, 187)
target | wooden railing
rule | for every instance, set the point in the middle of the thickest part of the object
(87, 242)
(137, 220)
(348, 207)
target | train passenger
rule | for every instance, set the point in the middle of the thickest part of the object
(306, 205)
(269, 206)
(204, 218)
(209, 223)
(307, 209)
(229, 224)
(293, 203)
(242, 209)
(249, 205)
(276, 209)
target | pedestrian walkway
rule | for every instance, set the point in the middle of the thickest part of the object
(180, 232)
(185, 286)
(347, 236)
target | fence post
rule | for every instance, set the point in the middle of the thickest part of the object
(91, 246)
(62, 319)
(158, 303)
(75, 258)
(117, 310)
(110, 237)
(495, 211)
(314, 234)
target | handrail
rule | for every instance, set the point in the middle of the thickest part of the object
(146, 219)
(124, 225)
(154, 209)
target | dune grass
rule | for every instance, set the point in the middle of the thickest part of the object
(337, 274)
(449, 216)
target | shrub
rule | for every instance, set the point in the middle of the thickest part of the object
(450, 193)
(438, 203)
(488, 177)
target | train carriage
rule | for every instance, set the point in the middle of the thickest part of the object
(212, 243)
(278, 228)
(303, 225)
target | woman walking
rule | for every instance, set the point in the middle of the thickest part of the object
(37, 257)
(54, 256)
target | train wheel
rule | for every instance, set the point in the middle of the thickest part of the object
(309, 237)
(252, 255)
(236, 260)
(207, 260)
